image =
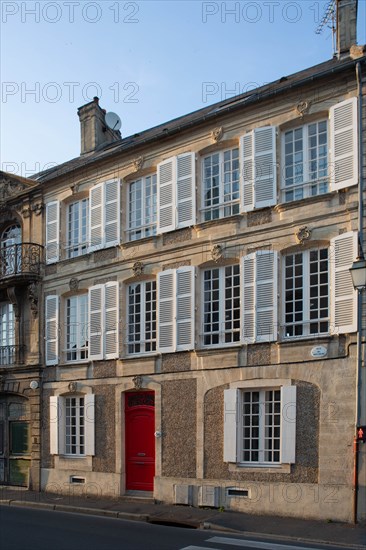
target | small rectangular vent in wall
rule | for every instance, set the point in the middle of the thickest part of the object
(77, 479)
(233, 492)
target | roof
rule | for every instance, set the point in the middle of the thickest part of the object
(202, 115)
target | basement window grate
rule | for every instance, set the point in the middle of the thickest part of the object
(244, 493)
(77, 479)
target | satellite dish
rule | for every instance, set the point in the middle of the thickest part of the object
(113, 121)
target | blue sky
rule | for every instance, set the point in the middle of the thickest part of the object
(149, 61)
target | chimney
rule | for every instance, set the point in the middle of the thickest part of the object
(346, 26)
(94, 132)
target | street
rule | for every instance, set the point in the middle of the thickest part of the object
(33, 529)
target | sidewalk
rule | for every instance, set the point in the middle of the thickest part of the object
(145, 509)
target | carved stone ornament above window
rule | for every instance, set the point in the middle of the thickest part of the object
(138, 163)
(75, 188)
(217, 134)
(74, 283)
(138, 268)
(303, 234)
(9, 188)
(73, 387)
(302, 108)
(138, 382)
(26, 212)
(217, 252)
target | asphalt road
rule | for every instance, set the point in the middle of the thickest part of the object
(32, 529)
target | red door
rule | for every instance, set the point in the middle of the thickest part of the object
(140, 441)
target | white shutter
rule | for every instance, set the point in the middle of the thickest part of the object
(52, 232)
(343, 252)
(265, 191)
(111, 309)
(266, 296)
(96, 214)
(96, 327)
(51, 330)
(55, 419)
(258, 168)
(247, 172)
(89, 407)
(166, 311)
(248, 298)
(166, 195)
(288, 424)
(185, 308)
(231, 398)
(111, 212)
(186, 190)
(344, 147)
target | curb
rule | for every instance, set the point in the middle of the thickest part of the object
(146, 518)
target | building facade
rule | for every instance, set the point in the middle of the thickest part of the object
(200, 319)
(21, 265)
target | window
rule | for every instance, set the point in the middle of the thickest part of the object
(260, 425)
(142, 317)
(72, 425)
(77, 228)
(221, 305)
(221, 185)
(306, 293)
(305, 152)
(7, 334)
(77, 328)
(142, 197)
(10, 252)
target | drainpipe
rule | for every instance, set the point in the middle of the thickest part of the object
(359, 295)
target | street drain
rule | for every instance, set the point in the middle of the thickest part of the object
(169, 523)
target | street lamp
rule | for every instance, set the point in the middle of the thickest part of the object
(358, 274)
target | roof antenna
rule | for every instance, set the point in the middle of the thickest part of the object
(329, 20)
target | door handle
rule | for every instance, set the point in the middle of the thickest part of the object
(142, 463)
(141, 454)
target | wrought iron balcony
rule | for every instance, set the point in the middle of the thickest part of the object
(11, 355)
(21, 261)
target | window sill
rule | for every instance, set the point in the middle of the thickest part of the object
(236, 218)
(74, 462)
(263, 468)
(140, 356)
(284, 206)
(212, 350)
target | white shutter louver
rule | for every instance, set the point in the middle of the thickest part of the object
(288, 424)
(55, 419)
(265, 167)
(247, 171)
(166, 182)
(96, 214)
(166, 311)
(343, 252)
(52, 232)
(89, 405)
(230, 425)
(266, 296)
(186, 190)
(111, 320)
(111, 212)
(185, 308)
(344, 147)
(96, 325)
(258, 168)
(248, 298)
(51, 330)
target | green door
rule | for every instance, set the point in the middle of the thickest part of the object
(14, 441)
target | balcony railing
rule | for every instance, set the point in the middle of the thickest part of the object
(21, 259)
(11, 355)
